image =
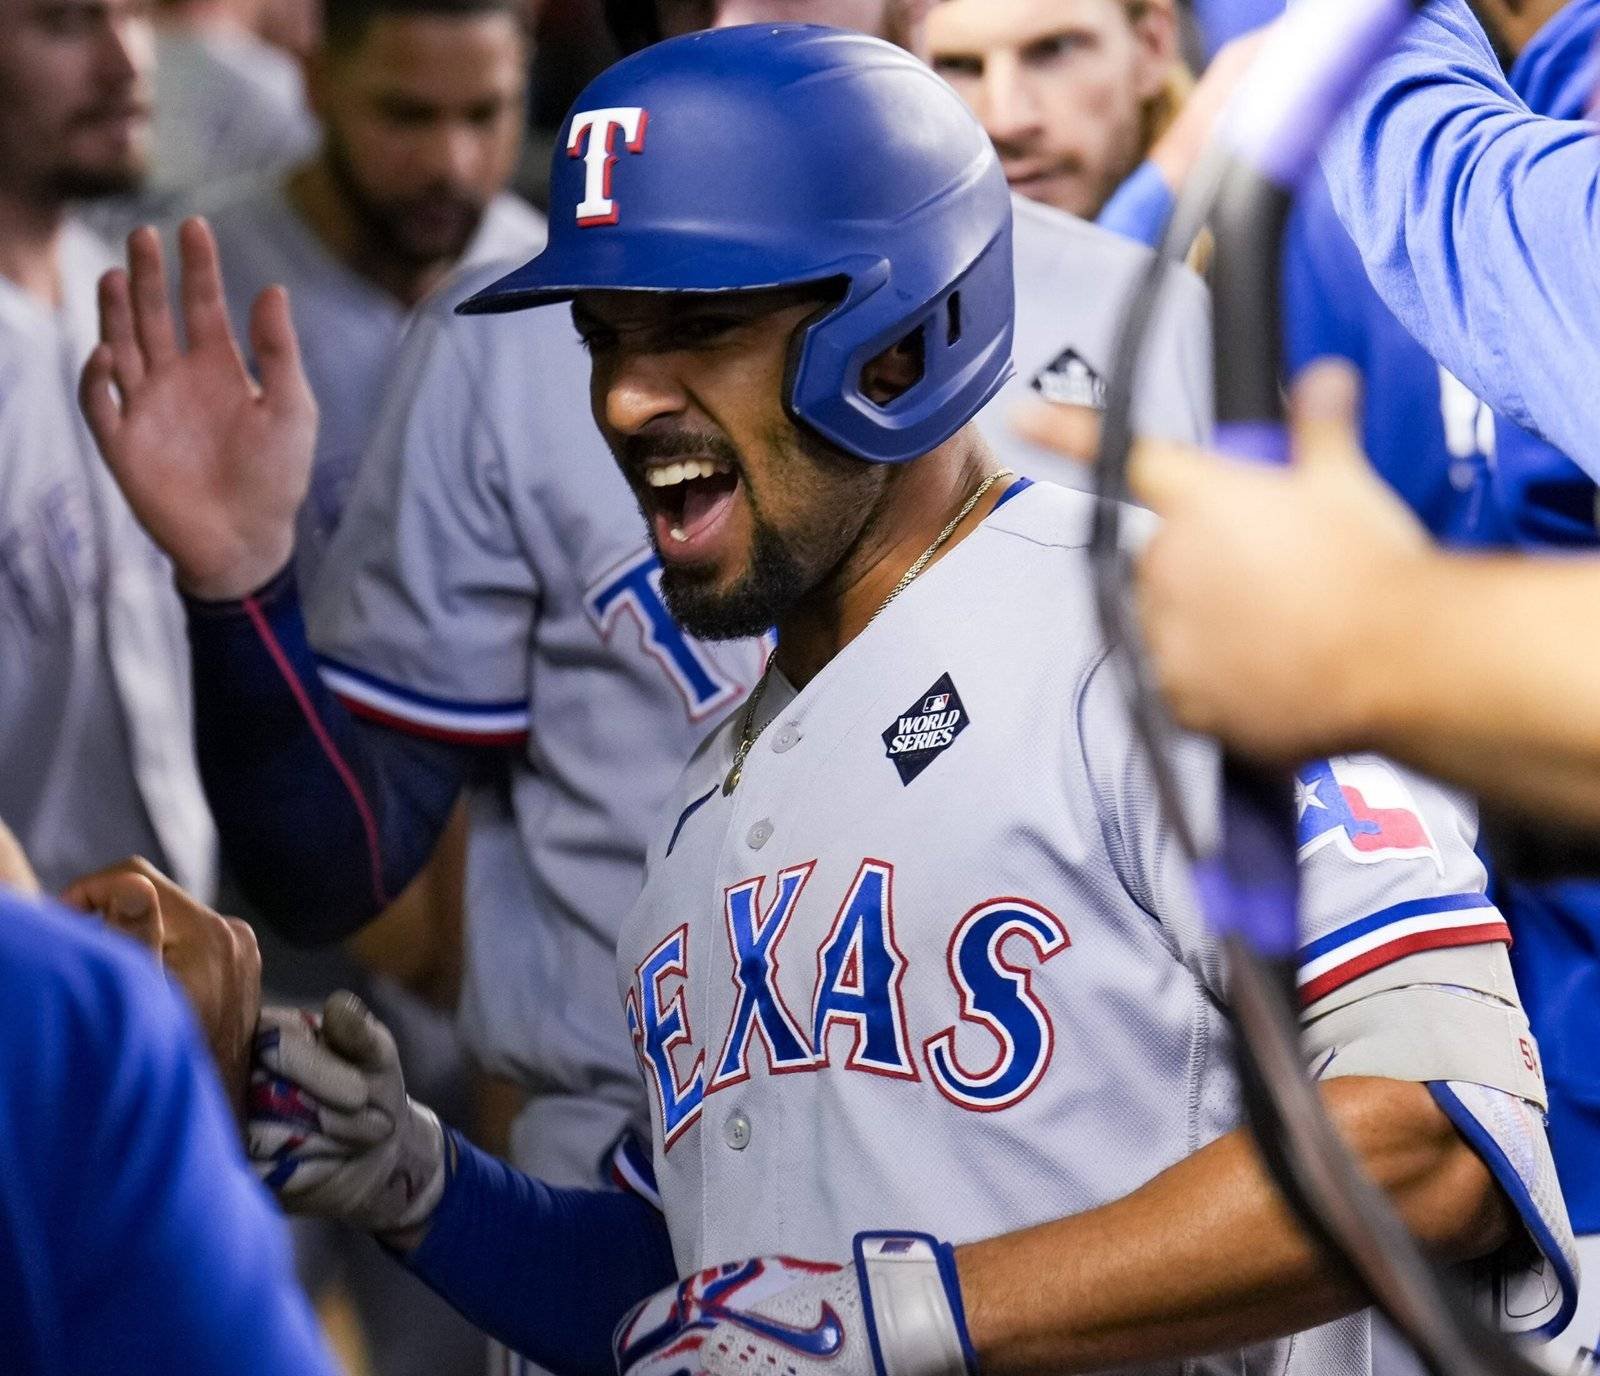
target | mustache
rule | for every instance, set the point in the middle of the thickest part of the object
(120, 107)
(639, 450)
(443, 198)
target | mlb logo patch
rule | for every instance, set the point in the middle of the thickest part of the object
(1069, 380)
(926, 729)
(1365, 808)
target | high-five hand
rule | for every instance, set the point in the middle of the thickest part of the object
(214, 465)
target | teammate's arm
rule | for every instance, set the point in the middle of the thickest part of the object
(1479, 223)
(324, 819)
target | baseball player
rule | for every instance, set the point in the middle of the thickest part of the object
(916, 957)
(421, 114)
(96, 759)
(491, 607)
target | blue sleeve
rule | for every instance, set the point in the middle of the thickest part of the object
(1222, 20)
(142, 1240)
(1323, 284)
(1140, 208)
(548, 1272)
(1479, 223)
(323, 819)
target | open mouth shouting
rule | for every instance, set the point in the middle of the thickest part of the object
(689, 502)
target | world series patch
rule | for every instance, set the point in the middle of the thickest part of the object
(926, 729)
(1069, 380)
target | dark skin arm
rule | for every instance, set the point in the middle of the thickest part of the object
(1206, 1257)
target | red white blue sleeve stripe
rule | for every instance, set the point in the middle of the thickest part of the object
(465, 723)
(1420, 924)
(633, 1170)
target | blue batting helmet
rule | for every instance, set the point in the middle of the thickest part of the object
(781, 154)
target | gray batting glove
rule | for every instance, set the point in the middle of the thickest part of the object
(331, 1129)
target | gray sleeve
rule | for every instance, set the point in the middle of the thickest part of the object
(424, 608)
(1142, 843)
(1387, 870)
(1386, 859)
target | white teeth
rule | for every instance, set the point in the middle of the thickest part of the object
(678, 533)
(670, 474)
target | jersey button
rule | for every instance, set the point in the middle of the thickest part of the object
(787, 738)
(759, 834)
(736, 1131)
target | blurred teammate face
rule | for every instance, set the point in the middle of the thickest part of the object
(899, 21)
(74, 97)
(422, 121)
(1060, 85)
(749, 512)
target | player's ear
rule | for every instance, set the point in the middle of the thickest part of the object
(895, 371)
(1155, 31)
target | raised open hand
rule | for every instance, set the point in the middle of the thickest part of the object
(214, 465)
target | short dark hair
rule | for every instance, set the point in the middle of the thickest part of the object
(345, 22)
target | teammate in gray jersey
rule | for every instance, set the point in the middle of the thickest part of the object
(227, 102)
(916, 956)
(95, 753)
(421, 113)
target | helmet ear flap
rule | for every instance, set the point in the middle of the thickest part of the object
(954, 355)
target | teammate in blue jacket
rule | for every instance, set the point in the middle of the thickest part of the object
(132, 1238)
(1479, 223)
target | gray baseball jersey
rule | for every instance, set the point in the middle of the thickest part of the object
(1072, 281)
(493, 582)
(349, 329)
(226, 104)
(935, 964)
(96, 741)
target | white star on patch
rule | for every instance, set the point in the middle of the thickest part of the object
(1305, 797)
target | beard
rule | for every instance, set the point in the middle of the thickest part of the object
(391, 227)
(80, 182)
(774, 582)
(839, 501)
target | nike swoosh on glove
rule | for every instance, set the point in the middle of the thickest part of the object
(331, 1129)
(895, 1310)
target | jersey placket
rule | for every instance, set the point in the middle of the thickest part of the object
(775, 770)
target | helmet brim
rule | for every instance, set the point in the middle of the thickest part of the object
(689, 266)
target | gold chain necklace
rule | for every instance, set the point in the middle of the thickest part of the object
(748, 736)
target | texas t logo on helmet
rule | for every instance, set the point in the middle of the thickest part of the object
(593, 137)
